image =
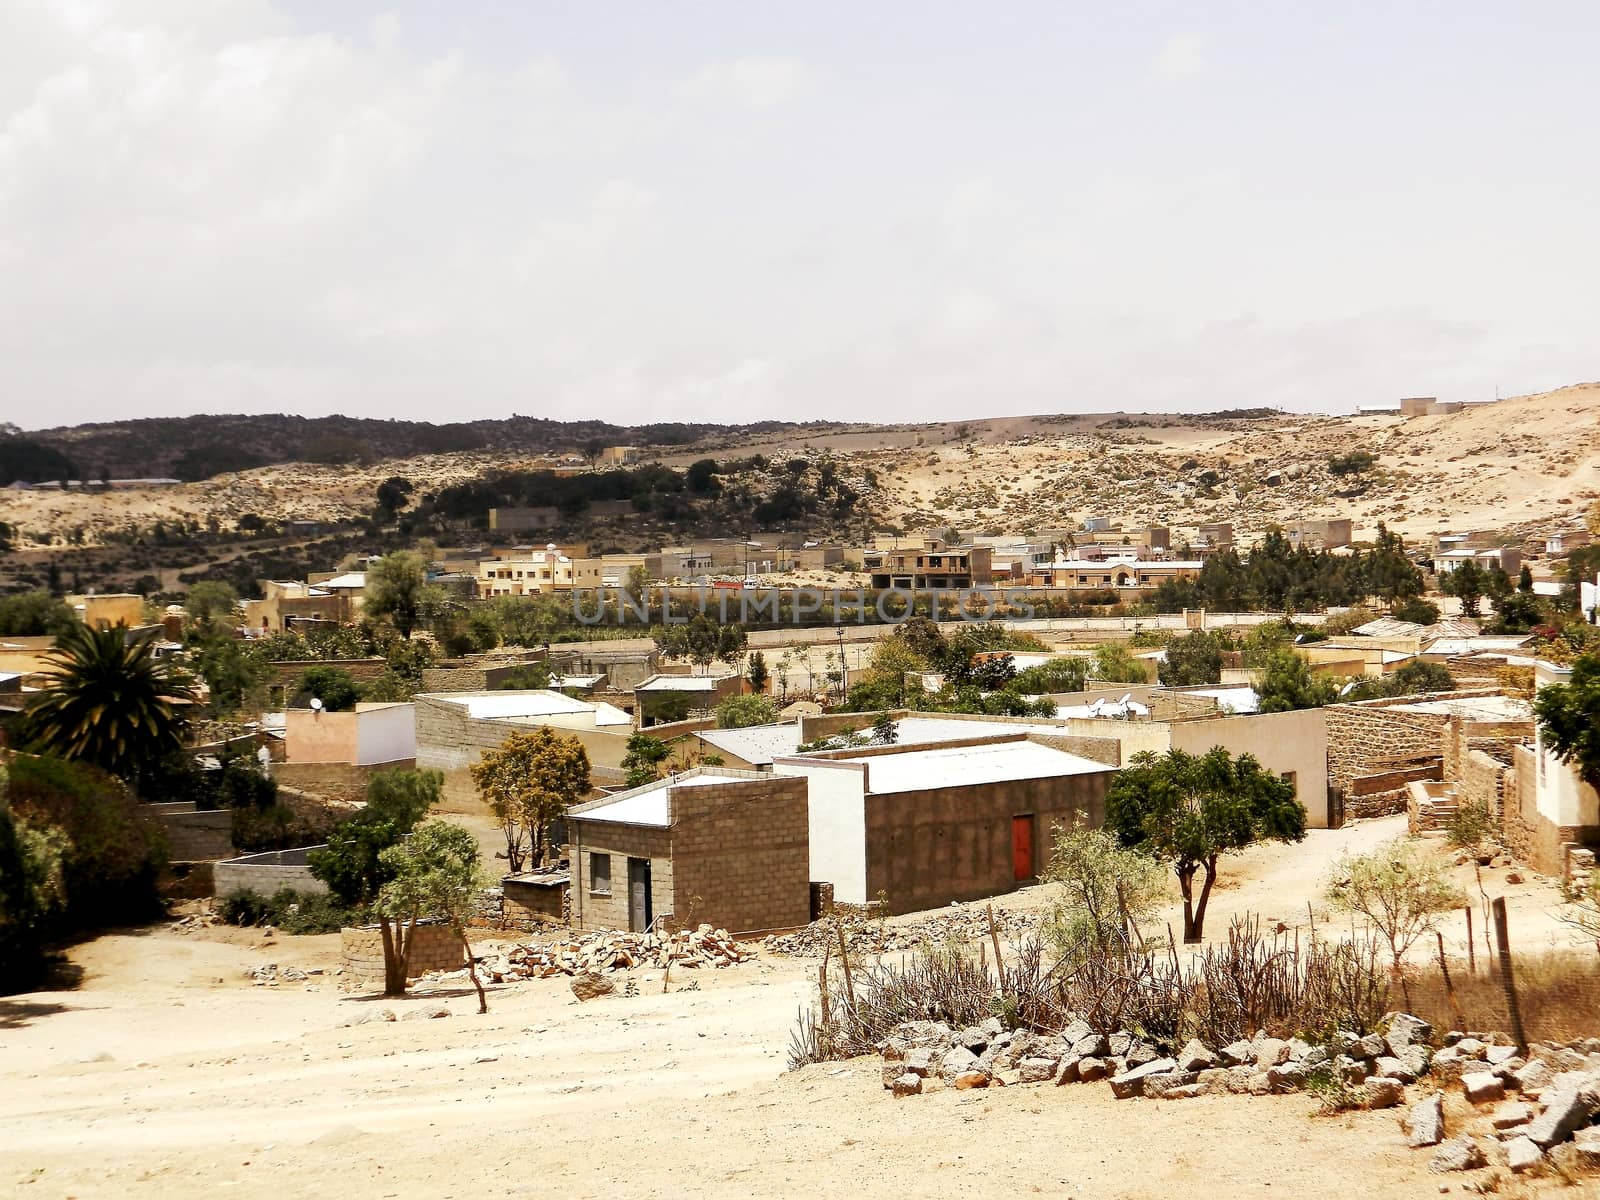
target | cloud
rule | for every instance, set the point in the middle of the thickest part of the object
(1182, 56)
(756, 82)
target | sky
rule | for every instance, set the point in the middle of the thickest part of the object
(735, 211)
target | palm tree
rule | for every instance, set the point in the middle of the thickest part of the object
(109, 702)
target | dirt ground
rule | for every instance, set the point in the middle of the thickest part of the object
(166, 1072)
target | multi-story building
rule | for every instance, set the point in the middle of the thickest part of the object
(525, 573)
(933, 565)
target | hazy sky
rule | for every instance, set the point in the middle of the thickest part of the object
(730, 211)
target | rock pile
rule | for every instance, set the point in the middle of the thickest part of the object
(271, 974)
(616, 951)
(880, 937)
(1374, 1069)
(1553, 1116)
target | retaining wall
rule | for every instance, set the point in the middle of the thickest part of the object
(435, 948)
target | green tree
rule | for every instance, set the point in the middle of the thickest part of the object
(702, 640)
(1113, 662)
(211, 603)
(1192, 659)
(433, 875)
(34, 614)
(1289, 684)
(643, 759)
(1401, 887)
(233, 678)
(529, 782)
(755, 671)
(1417, 611)
(393, 494)
(739, 712)
(1105, 891)
(1189, 810)
(529, 621)
(1569, 718)
(1466, 583)
(352, 863)
(394, 590)
(1417, 677)
(32, 892)
(334, 686)
(108, 702)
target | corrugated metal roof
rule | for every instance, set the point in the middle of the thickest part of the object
(965, 766)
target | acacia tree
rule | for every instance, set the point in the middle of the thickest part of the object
(1569, 718)
(530, 781)
(1400, 887)
(433, 874)
(394, 590)
(109, 702)
(1189, 810)
(352, 863)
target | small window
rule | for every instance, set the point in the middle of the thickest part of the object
(1289, 778)
(600, 874)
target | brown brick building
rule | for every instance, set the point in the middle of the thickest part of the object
(728, 848)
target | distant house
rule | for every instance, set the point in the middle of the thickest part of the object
(932, 565)
(619, 456)
(521, 520)
(1507, 558)
(666, 698)
(369, 735)
(525, 573)
(1121, 574)
(1565, 541)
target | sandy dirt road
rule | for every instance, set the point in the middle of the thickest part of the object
(166, 1073)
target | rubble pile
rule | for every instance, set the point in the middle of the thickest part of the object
(271, 974)
(880, 937)
(612, 951)
(1376, 1068)
(1531, 1110)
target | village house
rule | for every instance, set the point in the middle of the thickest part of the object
(108, 609)
(525, 573)
(284, 604)
(663, 699)
(727, 848)
(524, 520)
(371, 734)
(1123, 573)
(915, 827)
(931, 565)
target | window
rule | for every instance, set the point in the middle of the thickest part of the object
(1289, 778)
(600, 874)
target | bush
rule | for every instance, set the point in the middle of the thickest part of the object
(290, 911)
(740, 712)
(1472, 824)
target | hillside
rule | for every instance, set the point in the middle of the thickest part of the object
(1525, 460)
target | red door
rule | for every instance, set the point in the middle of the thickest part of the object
(1022, 848)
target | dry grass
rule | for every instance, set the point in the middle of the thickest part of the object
(1558, 991)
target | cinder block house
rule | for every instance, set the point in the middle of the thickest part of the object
(728, 848)
(921, 827)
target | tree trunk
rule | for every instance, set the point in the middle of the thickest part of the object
(1186, 886)
(394, 969)
(1205, 896)
(472, 970)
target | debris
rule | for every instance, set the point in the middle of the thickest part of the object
(1522, 1154)
(1426, 1121)
(1458, 1154)
(613, 950)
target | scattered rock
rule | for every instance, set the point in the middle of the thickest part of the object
(1173, 1085)
(1131, 1082)
(1458, 1154)
(1092, 1069)
(1426, 1121)
(1036, 1070)
(957, 1061)
(1567, 1108)
(590, 985)
(1511, 1114)
(968, 1080)
(907, 1084)
(1196, 1057)
(1586, 1145)
(1270, 1052)
(1483, 1087)
(1237, 1054)
(1523, 1154)
(1384, 1092)
(1403, 1029)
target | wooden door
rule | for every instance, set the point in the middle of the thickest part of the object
(1022, 848)
(639, 914)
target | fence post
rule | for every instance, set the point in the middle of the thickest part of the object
(1472, 953)
(1508, 983)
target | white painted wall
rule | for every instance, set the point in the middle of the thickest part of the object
(837, 816)
(1562, 798)
(386, 734)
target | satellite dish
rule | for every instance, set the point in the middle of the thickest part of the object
(316, 704)
(1126, 696)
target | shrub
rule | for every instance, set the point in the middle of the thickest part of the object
(290, 911)
(1472, 824)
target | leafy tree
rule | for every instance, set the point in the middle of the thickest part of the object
(32, 892)
(1417, 611)
(1569, 718)
(108, 702)
(1064, 674)
(394, 493)
(701, 477)
(1416, 677)
(1189, 810)
(1192, 659)
(352, 863)
(702, 640)
(394, 588)
(530, 781)
(1467, 584)
(755, 672)
(528, 677)
(643, 759)
(1401, 887)
(334, 686)
(211, 603)
(739, 712)
(884, 730)
(1517, 612)
(433, 874)
(232, 677)
(1525, 579)
(1356, 462)
(1105, 891)
(34, 614)
(1289, 685)
(528, 620)
(1113, 662)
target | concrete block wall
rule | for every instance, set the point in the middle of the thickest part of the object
(192, 836)
(335, 781)
(435, 948)
(591, 910)
(741, 855)
(267, 873)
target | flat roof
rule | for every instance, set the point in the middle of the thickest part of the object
(541, 703)
(757, 745)
(681, 683)
(965, 766)
(1474, 708)
(652, 803)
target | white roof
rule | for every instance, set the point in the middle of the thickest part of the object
(1469, 645)
(680, 683)
(959, 766)
(1474, 708)
(915, 731)
(1546, 587)
(757, 745)
(1230, 699)
(353, 579)
(650, 804)
(489, 706)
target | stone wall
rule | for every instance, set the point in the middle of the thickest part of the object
(364, 670)
(343, 782)
(435, 948)
(741, 855)
(1370, 741)
(195, 836)
(267, 873)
